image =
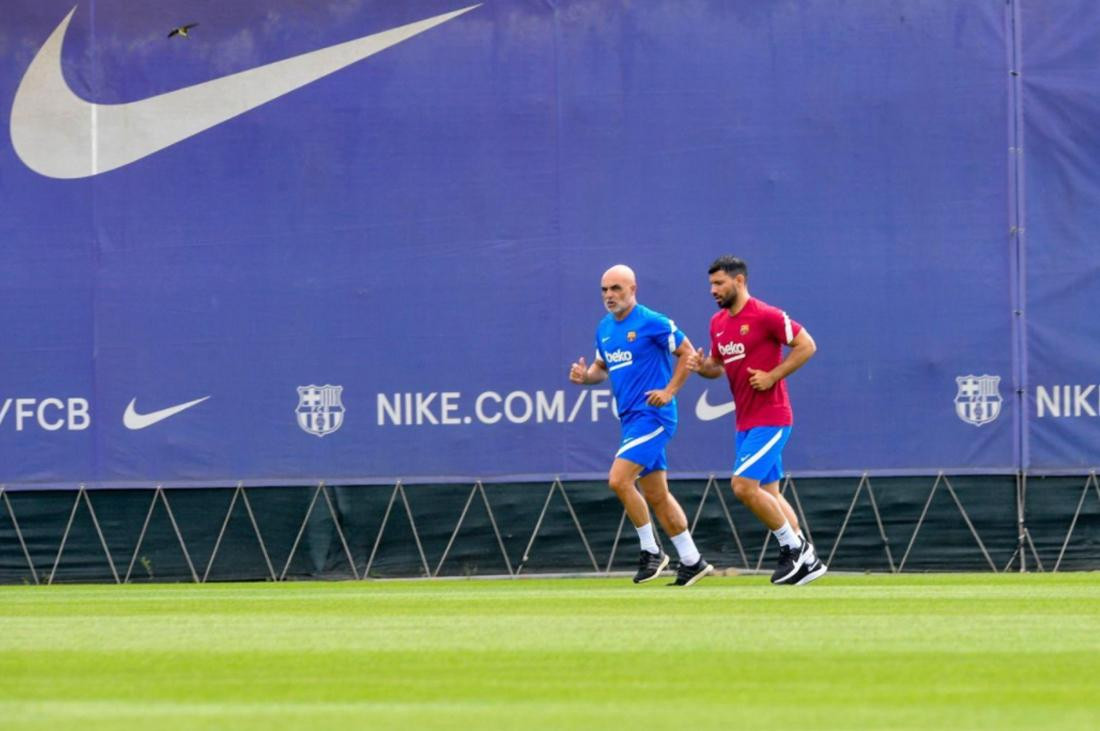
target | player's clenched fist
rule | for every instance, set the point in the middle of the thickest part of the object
(659, 397)
(695, 360)
(761, 380)
(578, 373)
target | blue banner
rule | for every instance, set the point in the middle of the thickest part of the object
(283, 242)
(1059, 60)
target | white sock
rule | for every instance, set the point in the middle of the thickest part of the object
(689, 555)
(645, 536)
(786, 536)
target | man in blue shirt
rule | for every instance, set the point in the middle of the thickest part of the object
(634, 347)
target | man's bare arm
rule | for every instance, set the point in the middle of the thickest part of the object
(704, 365)
(662, 396)
(802, 349)
(588, 375)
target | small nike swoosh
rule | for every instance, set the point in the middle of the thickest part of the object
(133, 420)
(707, 412)
(604, 340)
(59, 135)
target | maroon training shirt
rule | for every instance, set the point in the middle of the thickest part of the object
(754, 338)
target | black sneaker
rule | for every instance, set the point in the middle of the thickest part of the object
(687, 575)
(812, 567)
(807, 572)
(650, 566)
(790, 560)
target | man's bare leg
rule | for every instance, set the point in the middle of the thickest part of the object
(621, 481)
(788, 511)
(767, 508)
(761, 502)
(665, 506)
(652, 559)
(671, 516)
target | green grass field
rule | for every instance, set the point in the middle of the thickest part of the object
(890, 652)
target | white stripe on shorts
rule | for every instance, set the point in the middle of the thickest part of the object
(640, 440)
(763, 450)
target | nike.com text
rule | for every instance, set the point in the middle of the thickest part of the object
(449, 408)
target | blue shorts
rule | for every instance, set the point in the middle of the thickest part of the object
(760, 453)
(643, 442)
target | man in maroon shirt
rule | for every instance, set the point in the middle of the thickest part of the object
(746, 344)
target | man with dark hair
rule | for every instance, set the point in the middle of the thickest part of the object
(746, 339)
(634, 346)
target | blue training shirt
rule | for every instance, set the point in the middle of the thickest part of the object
(638, 353)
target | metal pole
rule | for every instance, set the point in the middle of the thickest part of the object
(102, 540)
(577, 523)
(538, 526)
(969, 524)
(615, 543)
(847, 517)
(454, 533)
(1021, 526)
(221, 534)
(19, 535)
(141, 537)
(920, 522)
(496, 531)
(381, 530)
(1076, 514)
(339, 530)
(259, 536)
(179, 535)
(302, 530)
(416, 536)
(65, 535)
(881, 528)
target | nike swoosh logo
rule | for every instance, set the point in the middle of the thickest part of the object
(59, 135)
(133, 420)
(706, 412)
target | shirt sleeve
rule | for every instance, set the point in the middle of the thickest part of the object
(781, 326)
(665, 333)
(599, 350)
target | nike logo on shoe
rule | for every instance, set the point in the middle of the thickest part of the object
(707, 412)
(59, 135)
(133, 420)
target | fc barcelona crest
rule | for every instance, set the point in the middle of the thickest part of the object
(320, 411)
(978, 401)
(631, 336)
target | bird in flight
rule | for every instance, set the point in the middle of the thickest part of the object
(182, 30)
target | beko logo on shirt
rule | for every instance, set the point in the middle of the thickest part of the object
(731, 349)
(620, 356)
(50, 414)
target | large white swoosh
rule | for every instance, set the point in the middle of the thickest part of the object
(706, 412)
(133, 420)
(60, 135)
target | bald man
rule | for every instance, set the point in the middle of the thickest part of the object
(634, 347)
